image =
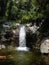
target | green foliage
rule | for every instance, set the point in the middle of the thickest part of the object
(22, 10)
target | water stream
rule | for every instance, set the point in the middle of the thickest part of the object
(22, 40)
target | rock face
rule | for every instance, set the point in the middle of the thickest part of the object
(33, 28)
(2, 46)
(13, 35)
(16, 32)
(44, 48)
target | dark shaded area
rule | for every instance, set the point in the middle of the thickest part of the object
(3, 4)
(8, 34)
(44, 29)
(31, 39)
(7, 62)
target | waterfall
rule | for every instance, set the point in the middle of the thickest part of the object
(22, 40)
(22, 37)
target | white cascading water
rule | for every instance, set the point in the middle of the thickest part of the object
(22, 40)
(22, 37)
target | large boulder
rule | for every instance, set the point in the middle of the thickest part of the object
(44, 48)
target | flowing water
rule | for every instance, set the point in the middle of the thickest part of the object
(22, 37)
(22, 40)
